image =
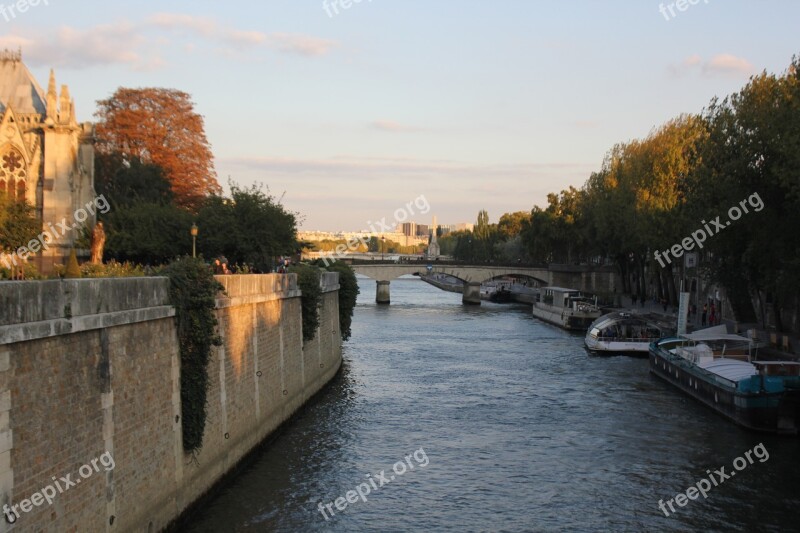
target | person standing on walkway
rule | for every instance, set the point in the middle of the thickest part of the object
(712, 318)
(703, 316)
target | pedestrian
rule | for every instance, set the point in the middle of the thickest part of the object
(664, 304)
(703, 316)
(712, 318)
(218, 267)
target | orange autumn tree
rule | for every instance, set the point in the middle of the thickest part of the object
(160, 126)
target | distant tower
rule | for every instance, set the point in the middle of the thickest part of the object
(433, 248)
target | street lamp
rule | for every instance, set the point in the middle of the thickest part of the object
(194, 239)
(383, 246)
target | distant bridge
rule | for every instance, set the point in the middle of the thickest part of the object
(582, 277)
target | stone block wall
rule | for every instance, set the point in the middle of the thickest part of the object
(92, 367)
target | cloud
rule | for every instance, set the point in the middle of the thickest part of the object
(719, 65)
(693, 60)
(207, 28)
(189, 25)
(204, 26)
(101, 45)
(586, 124)
(728, 64)
(392, 126)
(301, 44)
(138, 45)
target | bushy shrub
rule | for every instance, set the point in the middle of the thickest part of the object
(112, 269)
(31, 272)
(73, 270)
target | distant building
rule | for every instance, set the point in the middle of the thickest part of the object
(422, 230)
(464, 226)
(444, 229)
(409, 229)
(46, 157)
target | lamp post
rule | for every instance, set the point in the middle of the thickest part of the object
(383, 246)
(194, 240)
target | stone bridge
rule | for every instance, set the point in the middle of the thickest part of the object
(583, 277)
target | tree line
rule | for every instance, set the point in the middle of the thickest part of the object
(650, 194)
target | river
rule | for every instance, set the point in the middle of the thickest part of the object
(509, 426)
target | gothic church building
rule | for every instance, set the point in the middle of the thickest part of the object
(46, 157)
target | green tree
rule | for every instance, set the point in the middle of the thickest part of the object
(125, 182)
(754, 149)
(512, 224)
(250, 227)
(18, 225)
(147, 233)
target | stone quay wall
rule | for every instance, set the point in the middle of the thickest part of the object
(90, 384)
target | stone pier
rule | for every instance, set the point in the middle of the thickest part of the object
(472, 293)
(382, 295)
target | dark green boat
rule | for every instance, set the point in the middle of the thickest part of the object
(722, 370)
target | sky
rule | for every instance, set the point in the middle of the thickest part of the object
(347, 114)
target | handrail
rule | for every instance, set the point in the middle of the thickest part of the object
(627, 339)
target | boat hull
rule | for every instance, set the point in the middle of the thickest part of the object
(774, 412)
(566, 319)
(618, 347)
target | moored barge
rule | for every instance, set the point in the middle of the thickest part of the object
(722, 371)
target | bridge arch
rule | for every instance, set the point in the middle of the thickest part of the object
(589, 278)
(470, 276)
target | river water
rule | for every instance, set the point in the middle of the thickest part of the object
(515, 428)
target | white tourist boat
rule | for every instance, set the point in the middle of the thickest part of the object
(566, 308)
(621, 332)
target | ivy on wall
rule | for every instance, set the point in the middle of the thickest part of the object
(193, 292)
(308, 277)
(348, 294)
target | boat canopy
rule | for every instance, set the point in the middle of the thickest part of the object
(616, 318)
(702, 336)
(730, 369)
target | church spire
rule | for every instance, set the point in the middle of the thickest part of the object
(52, 97)
(66, 105)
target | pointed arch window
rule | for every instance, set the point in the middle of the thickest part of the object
(14, 169)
